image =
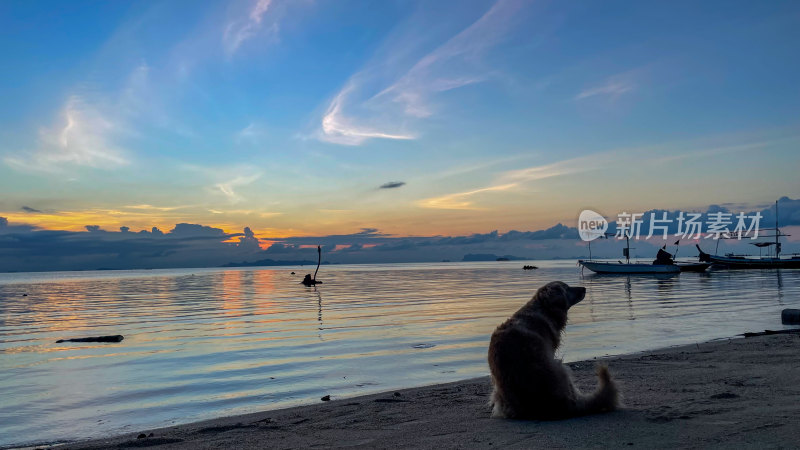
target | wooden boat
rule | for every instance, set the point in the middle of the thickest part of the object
(774, 261)
(662, 264)
(731, 261)
(628, 268)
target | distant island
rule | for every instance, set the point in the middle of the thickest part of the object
(472, 257)
(272, 262)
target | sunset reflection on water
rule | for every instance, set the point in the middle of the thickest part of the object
(201, 343)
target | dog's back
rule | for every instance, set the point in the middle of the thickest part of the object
(528, 382)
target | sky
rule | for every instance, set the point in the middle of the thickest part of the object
(315, 118)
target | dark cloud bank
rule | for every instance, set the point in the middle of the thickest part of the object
(26, 248)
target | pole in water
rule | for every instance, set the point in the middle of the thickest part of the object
(319, 261)
(307, 280)
(777, 233)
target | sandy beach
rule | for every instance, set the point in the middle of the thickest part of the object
(737, 393)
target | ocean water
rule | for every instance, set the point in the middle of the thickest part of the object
(202, 343)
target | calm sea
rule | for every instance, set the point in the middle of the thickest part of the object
(201, 343)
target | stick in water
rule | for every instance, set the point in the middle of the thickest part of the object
(319, 261)
(308, 281)
(115, 338)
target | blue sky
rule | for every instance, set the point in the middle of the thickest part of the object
(287, 116)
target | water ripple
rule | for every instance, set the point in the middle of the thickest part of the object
(201, 343)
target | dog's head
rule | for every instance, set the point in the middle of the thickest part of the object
(559, 295)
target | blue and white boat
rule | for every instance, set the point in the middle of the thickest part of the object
(663, 264)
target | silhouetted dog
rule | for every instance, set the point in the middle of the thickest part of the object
(528, 382)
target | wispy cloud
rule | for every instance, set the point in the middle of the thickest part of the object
(612, 87)
(28, 209)
(92, 124)
(566, 167)
(147, 207)
(251, 133)
(228, 187)
(453, 64)
(225, 180)
(462, 200)
(84, 138)
(239, 30)
(245, 212)
(517, 178)
(372, 105)
(606, 160)
(339, 129)
(701, 152)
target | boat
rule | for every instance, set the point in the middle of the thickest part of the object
(628, 268)
(665, 258)
(662, 264)
(774, 261)
(731, 261)
(693, 266)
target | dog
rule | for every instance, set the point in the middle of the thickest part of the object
(528, 382)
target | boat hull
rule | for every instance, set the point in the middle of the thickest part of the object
(752, 263)
(741, 262)
(611, 267)
(693, 267)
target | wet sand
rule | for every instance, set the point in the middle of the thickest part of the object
(738, 393)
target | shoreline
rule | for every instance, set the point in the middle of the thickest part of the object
(730, 392)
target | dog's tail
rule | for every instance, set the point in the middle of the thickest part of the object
(605, 398)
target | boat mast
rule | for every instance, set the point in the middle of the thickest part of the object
(777, 233)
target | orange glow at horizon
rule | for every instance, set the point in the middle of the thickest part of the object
(109, 220)
(400, 222)
(112, 220)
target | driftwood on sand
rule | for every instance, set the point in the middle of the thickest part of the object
(771, 332)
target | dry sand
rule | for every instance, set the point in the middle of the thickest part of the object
(739, 393)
